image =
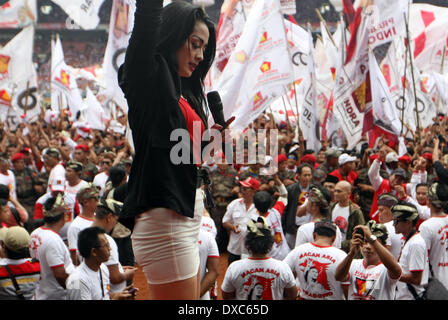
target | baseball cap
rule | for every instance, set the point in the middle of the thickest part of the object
(406, 159)
(427, 156)
(17, 156)
(387, 200)
(391, 157)
(281, 158)
(309, 158)
(83, 147)
(325, 225)
(58, 184)
(345, 158)
(399, 172)
(251, 183)
(404, 211)
(16, 238)
(332, 153)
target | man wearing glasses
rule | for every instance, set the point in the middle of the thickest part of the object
(88, 198)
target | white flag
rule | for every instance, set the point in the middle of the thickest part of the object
(17, 74)
(309, 120)
(18, 13)
(384, 111)
(120, 28)
(258, 68)
(83, 12)
(299, 47)
(94, 112)
(64, 89)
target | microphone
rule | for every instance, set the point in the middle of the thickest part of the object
(215, 106)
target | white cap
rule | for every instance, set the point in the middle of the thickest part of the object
(344, 158)
(391, 157)
(58, 184)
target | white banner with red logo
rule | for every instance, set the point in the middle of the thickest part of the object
(83, 12)
(259, 67)
(18, 13)
(18, 77)
(120, 28)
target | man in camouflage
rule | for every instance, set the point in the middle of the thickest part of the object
(81, 155)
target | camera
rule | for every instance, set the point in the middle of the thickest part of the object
(360, 231)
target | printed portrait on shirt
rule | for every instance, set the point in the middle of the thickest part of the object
(258, 288)
(315, 274)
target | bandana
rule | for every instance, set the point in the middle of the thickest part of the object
(58, 207)
(432, 196)
(75, 165)
(89, 191)
(256, 226)
(404, 212)
(111, 205)
(378, 230)
(387, 200)
(316, 196)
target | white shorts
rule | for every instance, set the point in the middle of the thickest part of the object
(165, 243)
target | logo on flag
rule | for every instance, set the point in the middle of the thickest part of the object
(264, 37)
(241, 57)
(5, 98)
(259, 100)
(64, 79)
(265, 66)
(4, 66)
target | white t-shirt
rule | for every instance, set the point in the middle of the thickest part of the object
(114, 259)
(305, 235)
(79, 223)
(315, 267)
(340, 217)
(371, 282)
(9, 180)
(208, 248)
(209, 225)
(85, 284)
(70, 193)
(435, 233)
(258, 279)
(58, 171)
(48, 247)
(394, 240)
(100, 181)
(414, 257)
(280, 249)
(237, 215)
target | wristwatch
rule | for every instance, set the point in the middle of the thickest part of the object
(372, 238)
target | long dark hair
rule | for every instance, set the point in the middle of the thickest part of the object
(178, 21)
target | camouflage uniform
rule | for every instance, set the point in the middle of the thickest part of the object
(89, 172)
(26, 195)
(221, 187)
(282, 175)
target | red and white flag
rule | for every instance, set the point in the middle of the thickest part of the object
(18, 13)
(259, 67)
(17, 74)
(428, 26)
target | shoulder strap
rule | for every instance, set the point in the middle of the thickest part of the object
(14, 282)
(414, 293)
(16, 215)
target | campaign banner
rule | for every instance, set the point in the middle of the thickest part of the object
(83, 12)
(18, 13)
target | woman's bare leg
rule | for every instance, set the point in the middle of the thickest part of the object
(188, 289)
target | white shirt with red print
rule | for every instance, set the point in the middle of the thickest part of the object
(208, 249)
(48, 247)
(258, 279)
(370, 282)
(315, 267)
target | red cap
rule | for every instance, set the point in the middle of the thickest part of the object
(309, 158)
(251, 183)
(427, 156)
(373, 157)
(27, 150)
(406, 159)
(83, 147)
(18, 156)
(281, 158)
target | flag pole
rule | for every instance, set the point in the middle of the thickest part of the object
(413, 79)
(326, 27)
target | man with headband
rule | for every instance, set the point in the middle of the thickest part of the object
(394, 241)
(73, 184)
(375, 276)
(435, 232)
(318, 206)
(414, 254)
(260, 276)
(47, 246)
